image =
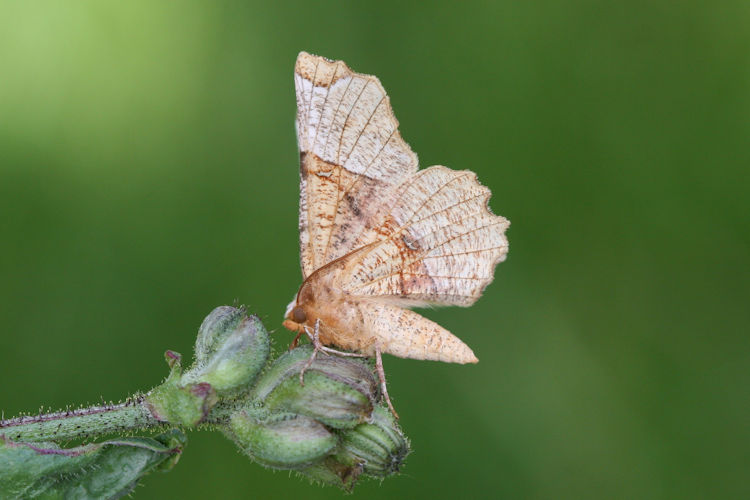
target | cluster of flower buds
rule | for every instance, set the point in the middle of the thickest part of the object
(331, 428)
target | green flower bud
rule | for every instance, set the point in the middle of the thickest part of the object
(178, 403)
(378, 445)
(232, 348)
(281, 440)
(375, 449)
(215, 327)
(338, 392)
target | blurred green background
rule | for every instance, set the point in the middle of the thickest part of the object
(148, 173)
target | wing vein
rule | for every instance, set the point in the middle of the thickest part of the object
(309, 103)
(325, 101)
(448, 277)
(478, 250)
(310, 243)
(343, 96)
(361, 132)
(348, 115)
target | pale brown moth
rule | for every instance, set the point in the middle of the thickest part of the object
(378, 235)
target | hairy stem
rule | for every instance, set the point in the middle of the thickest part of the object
(82, 423)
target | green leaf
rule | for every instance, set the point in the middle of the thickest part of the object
(109, 469)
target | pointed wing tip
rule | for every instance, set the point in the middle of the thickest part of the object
(465, 357)
(305, 61)
(461, 354)
(303, 57)
(320, 70)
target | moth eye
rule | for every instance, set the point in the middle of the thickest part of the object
(298, 315)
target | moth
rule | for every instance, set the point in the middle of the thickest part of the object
(378, 236)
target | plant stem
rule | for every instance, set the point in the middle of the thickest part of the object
(82, 423)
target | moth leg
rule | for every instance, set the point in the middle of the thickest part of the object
(314, 337)
(328, 350)
(317, 346)
(295, 342)
(381, 376)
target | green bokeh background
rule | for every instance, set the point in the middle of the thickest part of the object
(148, 173)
